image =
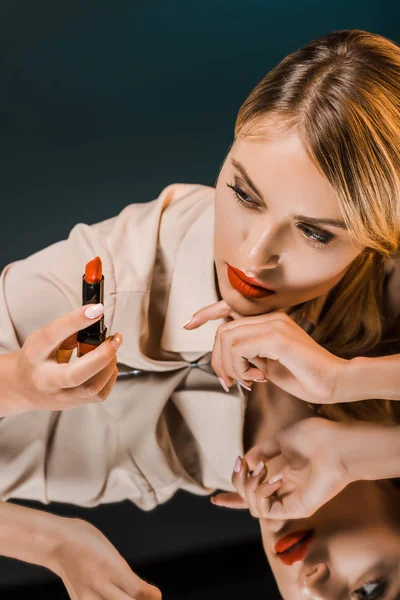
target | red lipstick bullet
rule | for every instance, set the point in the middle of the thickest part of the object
(92, 293)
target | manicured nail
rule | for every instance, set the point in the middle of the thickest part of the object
(238, 464)
(242, 383)
(275, 479)
(258, 469)
(222, 382)
(260, 380)
(94, 311)
(116, 341)
(187, 323)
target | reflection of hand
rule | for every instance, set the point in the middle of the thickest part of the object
(45, 384)
(91, 567)
(313, 474)
(283, 352)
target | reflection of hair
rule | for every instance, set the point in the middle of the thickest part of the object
(341, 93)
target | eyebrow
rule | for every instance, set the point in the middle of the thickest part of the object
(312, 220)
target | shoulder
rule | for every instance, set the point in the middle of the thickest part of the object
(176, 199)
(142, 230)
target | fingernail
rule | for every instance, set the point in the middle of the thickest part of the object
(116, 341)
(258, 469)
(94, 311)
(246, 387)
(238, 464)
(260, 380)
(275, 479)
(187, 323)
(222, 382)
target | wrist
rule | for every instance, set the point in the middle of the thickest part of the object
(369, 377)
(369, 451)
(48, 540)
(29, 535)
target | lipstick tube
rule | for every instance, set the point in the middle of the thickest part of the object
(92, 293)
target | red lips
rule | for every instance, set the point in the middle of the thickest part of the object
(294, 546)
(247, 286)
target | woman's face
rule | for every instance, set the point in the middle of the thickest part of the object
(263, 234)
(354, 553)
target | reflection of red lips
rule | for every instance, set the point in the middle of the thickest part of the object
(294, 546)
(246, 285)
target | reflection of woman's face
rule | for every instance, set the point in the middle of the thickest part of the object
(354, 553)
(264, 237)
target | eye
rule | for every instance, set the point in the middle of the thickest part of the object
(371, 591)
(317, 240)
(241, 197)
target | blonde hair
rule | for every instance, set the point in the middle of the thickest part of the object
(341, 93)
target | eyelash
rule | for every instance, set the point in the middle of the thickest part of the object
(381, 588)
(322, 243)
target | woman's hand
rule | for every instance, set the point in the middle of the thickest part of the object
(314, 472)
(91, 568)
(42, 378)
(280, 349)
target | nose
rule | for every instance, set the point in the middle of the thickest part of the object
(262, 250)
(311, 580)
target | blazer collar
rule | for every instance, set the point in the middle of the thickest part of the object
(192, 288)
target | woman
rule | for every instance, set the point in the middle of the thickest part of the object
(328, 112)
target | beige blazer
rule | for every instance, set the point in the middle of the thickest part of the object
(171, 426)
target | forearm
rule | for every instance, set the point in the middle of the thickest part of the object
(29, 535)
(370, 451)
(365, 378)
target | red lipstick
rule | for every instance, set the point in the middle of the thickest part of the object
(247, 286)
(294, 546)
(92, 293)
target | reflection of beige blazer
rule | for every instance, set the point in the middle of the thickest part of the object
(172, 427)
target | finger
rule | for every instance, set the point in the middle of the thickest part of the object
(48, 339)
(113, 591)
(227, 337)
(217, 358)
(276, 503)
(219, 310)
(137, 588)
(95, 388)
(251, 486)
(63, 355)
(265, 452)
(263, 498)
(239, 476)
(77, 373)
(240, 367)
(71, 398)
(222, 354)
(229, 500)
(107, 389)
(71, 342)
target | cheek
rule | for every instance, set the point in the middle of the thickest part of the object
(227, 229)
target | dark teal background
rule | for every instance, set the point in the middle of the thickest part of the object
(104, 103)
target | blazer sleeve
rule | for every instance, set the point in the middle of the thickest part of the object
(36, 290)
